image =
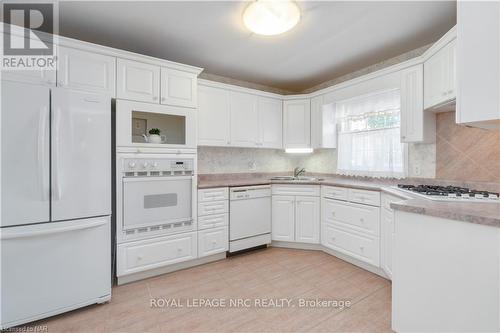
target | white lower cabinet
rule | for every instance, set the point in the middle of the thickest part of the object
(387, 233)
(307, 219)
(357, 245)
(295, 218)
(212, 241)
(351, 225)
(157, 252)
(283, 218)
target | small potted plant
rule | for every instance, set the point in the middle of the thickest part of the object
(154, 136)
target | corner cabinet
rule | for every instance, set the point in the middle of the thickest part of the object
(297, 123)
(296, 213)
(439, 76)
(478, 64)
(417, 125)
(323, 124)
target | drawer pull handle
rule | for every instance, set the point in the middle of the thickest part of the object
(333, 239)
(179, 250)
(139, 258)
(333, 213)
(362, 220)
(362, 248)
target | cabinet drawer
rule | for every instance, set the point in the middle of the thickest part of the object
(213, 194)
(213, 207)
(362, 218)
(212, 241)
(364, 197)
(153, 253)
(213, 221)
(363, 248)
(335, 192)
(307, 190)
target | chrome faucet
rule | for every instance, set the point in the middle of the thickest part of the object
(297, 172)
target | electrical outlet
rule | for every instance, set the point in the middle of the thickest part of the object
(252, 166)
(416, 170)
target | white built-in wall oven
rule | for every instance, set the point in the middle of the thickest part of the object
(156, 194)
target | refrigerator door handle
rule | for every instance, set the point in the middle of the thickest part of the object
(51, 231)
(42, 167)
(56, 147)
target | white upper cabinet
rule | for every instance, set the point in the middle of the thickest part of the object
(87, 71)
(417, 125)
(40, 77)
(439, 77)
(138, 81)
(297, 123)
(244, 119)
(478, 64)
(213, 116)
(178, 88)
(323, 124)
(270, 112)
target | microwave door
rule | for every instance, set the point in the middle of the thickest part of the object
(151, 201)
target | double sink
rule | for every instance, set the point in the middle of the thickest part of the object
(297, 179)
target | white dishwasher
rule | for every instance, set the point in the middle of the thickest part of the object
(249, 217)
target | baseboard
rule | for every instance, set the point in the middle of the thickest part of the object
(319, 247)
(300, 246)
(356, 262)
(168, 269)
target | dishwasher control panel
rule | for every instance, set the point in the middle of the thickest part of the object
(249, 192)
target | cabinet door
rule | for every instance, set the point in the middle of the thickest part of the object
(212, 241)
(244, 119)
(40, 77)
(213, 116)
(478, 63)
(307, 219)
(138, 81)
(283, 218)
(86, 71)
(270, 122)
(417, 125)
(178, 88)
(451, 74)
(297, 123)
(438, 73)
(386, 240)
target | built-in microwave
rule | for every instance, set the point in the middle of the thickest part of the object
(154, 125)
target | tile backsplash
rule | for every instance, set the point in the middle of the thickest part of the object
(466, 153)
(460, 154)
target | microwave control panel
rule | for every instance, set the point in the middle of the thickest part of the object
(157, 164)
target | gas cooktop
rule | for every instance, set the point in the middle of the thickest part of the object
(450, 193)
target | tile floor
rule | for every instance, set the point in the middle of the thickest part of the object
(263, 275)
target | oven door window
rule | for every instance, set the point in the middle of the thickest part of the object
(153, 201)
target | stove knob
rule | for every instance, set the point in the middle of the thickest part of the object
(145, 165)
(154, 165)
(131, 165)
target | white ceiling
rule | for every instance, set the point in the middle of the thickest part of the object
(332, 38)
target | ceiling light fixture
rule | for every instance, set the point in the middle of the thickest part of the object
(271, 17)
(299, 150)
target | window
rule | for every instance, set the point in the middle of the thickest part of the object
(369, 136)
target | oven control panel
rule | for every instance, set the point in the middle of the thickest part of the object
(157, 164)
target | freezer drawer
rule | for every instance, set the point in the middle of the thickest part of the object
(51, 268)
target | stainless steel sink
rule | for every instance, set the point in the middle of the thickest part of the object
(296, 179)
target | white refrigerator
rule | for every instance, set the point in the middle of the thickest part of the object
(55, 242)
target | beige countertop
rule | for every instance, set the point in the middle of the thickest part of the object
(473, 212)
